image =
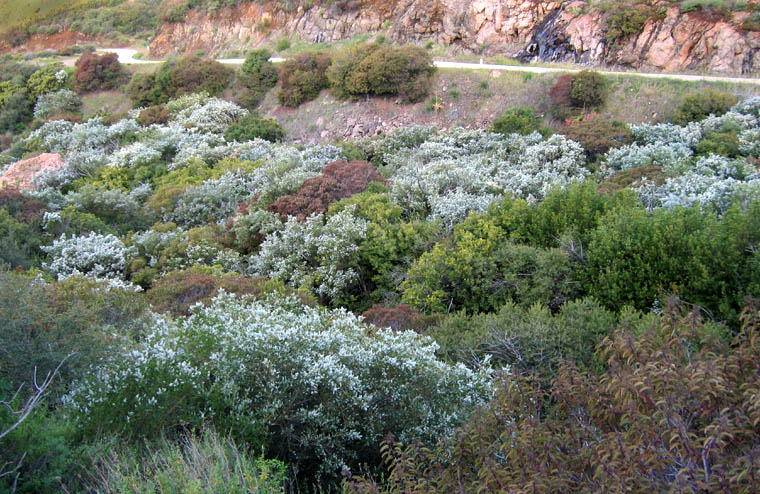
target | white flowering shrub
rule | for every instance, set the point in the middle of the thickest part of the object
(319, 385)
(750, 106)
(115, 206)
(749, 142)
(674, 157)
(667, 133)
(715, 182)
(56, 103)
(316, 253)
(214, 116)
(482, 167)
(84, 147)
(93, 255)
(731, 119)
(215, 199)
(135, 155)
(189, 100)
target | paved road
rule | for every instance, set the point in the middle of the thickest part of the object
(126, 56)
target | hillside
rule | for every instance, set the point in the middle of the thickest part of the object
(719, 36)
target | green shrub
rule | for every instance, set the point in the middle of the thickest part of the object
(374, 69)
(200, 463)
(519, 120)
(52, 77)
(283, 44)
(258, 75)
(597, 135)
(697, 106)
(529, 340)
(302, 78)
(176, 77)
(625, 22)
(588, 90)
(252, 126)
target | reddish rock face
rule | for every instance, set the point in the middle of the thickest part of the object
(340, 179)
(675, 42)
(21, 174)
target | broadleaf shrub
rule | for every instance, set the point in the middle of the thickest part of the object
(98, 72)
(374, 69)
(303, 77)
(253, 127)
(315, 388)
(698, 106)
(519, 120)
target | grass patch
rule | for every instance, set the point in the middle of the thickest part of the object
(106, 102)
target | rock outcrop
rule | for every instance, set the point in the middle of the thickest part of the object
(528, 29)
(21, 173)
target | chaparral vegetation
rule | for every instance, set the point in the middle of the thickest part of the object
(193, 301)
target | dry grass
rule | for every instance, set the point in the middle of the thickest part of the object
(108, 102)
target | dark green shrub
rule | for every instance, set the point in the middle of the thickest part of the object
(16, 112)
(175, 77)
(588, 90)
(375, 69)
(597, 135)
(752, 22)
(302, 78)
(697, 106)
(519, 120)
(50, 78)
(252, 126)
(258, 75)
(625, 22)
(529, 340)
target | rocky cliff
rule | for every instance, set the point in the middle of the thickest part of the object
(528, 29)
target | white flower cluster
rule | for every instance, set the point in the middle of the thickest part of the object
(57, 102)
(315, 253)
(715, 182)
(269, 365)
(450, 170)
(114, 201)
(93, 255)
(214, 199)
(213, 116)
(84, 147)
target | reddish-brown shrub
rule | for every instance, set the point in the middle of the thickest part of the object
(340, 179)
(176, 292)
(155, 114)
(399, 317)
(675, 410)
(98, 72)
(562, 106)
(598, 135)
(71, 117)
(303, 77)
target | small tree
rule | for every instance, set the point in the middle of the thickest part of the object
(98, 72)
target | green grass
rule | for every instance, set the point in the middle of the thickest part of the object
(15, 12)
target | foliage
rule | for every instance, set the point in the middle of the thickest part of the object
(98, 72)
(258, 75)
(624, 22)
(597, 135)
(50, 78)
(315, 254)
(313, 387)
(574, 94)
(671, 413)
(177, 291)
(201, 463)
(21, 219)
(44, 323)
(95, 255)
(697, 106)
(302, 78)
(633, 256)
(176, 77)
(252, 126)
(521, 120)
(339, 179)
(588, 90)
(156, 114)
(56, 103)
(374, 69)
